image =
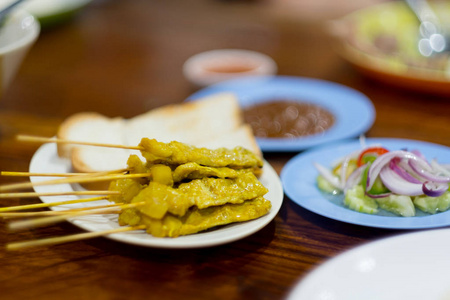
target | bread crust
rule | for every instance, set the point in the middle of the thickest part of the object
(70, 124)
(214, 122)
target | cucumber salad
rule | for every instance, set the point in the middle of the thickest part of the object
(398, 181)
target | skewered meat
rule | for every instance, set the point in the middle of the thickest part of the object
(176, 153)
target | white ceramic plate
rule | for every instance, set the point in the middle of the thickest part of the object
(46, 160)
(412, 266)
(299, 181)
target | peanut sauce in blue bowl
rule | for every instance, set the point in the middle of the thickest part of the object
(287, 119)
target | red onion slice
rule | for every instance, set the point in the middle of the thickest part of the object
(395, 166)
(418, 154)
(398, 185)
(434, 189)
(440, 168)
(426, 173)
(378, 195)
(343, 171)
(354, 178)
(382, 161)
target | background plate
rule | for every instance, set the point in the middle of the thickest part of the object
(410, 266)
(46, 160)
(393, 20)
(353, 111)
(299, 181)
(54, 12)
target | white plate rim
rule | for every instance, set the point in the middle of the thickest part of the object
(353, 110)
(301, 188)
(393, 267)
(46, 160)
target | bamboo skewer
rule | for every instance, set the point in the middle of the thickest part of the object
(50, 204)
(28, 224)
(78, 193)
(10, 215)
(30, 174)
(61, 180)
(70, 238)
(76, 179)
(30, 138)
(64, 215)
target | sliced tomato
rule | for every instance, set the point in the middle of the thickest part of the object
(370, 154)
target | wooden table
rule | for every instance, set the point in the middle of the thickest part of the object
(122, 58)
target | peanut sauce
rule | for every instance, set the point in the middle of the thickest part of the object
(287, 119)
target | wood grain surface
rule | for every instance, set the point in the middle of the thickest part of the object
(122, 58)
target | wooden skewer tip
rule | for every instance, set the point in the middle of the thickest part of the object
(70, 238)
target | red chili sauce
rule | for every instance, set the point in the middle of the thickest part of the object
(231, 68)
(287, 119)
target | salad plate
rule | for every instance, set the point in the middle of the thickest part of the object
(406, 266)
(381, 42)
(299, 181)
(353, 111)
(46, 160)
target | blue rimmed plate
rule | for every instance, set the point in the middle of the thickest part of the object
(299, 180)
(354, 112)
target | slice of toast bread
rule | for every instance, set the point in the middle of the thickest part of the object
(212, 122)
(89, 127)
(190, 122)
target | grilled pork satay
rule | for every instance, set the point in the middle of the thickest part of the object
(195, 171)
(130, 188)
(163, 174)
(196, 220)
(190, 170)
(161, 199)
(191, 189)
(176, 153)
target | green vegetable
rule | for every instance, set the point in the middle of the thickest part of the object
(398, 204)
(356, 200)
(433, 205)
(325, 186)
(378, 186)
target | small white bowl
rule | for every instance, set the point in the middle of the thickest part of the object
(17, 35)
(214, 66)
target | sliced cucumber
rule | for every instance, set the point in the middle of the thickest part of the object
(433, 205)
(325, 186)
(356, 200)
(398, 204)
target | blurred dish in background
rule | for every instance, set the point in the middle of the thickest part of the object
(214, 66)
(349, 112)
(409, 266)
(17, 36)
(54, 12)
(382, 42)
